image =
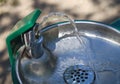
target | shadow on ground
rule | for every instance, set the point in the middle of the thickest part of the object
(4, 67)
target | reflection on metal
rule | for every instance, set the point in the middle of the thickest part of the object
(94, 36)
(99, 50)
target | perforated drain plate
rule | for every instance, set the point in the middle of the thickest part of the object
(79, 74)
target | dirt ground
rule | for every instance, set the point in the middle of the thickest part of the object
(13, 10)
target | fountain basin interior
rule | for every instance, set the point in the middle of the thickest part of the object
(98, 47)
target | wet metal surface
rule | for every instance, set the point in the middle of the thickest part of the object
(97, 48)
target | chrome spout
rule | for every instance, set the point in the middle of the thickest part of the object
(34, 45)
(37, 49)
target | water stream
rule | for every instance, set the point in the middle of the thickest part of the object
(78, 35)
(57, 17)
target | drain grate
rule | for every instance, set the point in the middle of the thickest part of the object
(79, 74)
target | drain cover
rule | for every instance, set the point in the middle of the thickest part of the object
(79, 74)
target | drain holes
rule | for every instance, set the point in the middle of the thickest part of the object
(86, 77)
(86, 73)
(82, 73)
(71, 76)
(81, 77)
(78, 81)
(78, 75)
(83, 80)
(78, 72)
(72, 73)
(73, 79)
(75, 75)
(75, 70)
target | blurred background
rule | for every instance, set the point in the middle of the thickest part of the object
(13, 10)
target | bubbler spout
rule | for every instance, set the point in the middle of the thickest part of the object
(37, 49)
(33, 44)
(42, 62)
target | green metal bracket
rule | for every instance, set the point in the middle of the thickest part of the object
(116, 24)
(13, 41)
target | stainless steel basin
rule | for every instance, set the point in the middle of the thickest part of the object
(96, 51)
